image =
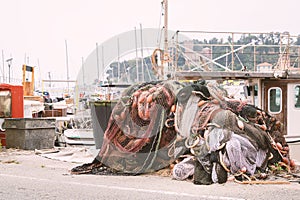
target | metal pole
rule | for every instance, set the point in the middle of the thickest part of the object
(232, 54)
(118, 43)
(38, 64)
(226, 58)
(97, 60)
(8, 72)
(67, 65)
(136, 56)
(166, 26)
(254, 58)
(49, 76)
(165, 54)
(102, 57)
(287, 57)
(142, 54)
(9, 61)
(3, 65)
(298, 59)
(177, 56)
(2, 74)
(82, 61)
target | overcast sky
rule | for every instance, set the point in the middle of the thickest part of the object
(34, 31)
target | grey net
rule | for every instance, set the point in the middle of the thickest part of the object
(225, 135)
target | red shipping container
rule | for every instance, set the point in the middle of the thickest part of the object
(17, 105)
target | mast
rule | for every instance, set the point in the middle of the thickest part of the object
(136, 56)
(67, 65)
(118, 45)
(142, 53)
(3, 65)
(166, 26)
(165, 61)
(82, 65)
(97, 56)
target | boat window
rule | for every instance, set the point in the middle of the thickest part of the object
(5, 104)
(256, 95)
(275, 100)
(297, 96)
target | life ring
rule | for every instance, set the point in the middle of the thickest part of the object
(153, 57)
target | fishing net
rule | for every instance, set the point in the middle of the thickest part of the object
(137, 139)
(226, 135)
(155, 123)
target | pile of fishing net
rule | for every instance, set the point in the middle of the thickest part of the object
(208, 135)
(136, 140)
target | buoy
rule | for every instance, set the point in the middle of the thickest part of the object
(149, 98)
(240, 124)
(173, 108)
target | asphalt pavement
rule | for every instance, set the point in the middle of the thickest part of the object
(26, 175)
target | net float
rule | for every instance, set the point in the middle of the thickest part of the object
(201, 103)
(153, 89)
(240, 124)
(150, 98)
(285, 160)
(286, 148)
(173, 108)
(142, 98)
(137, 93)
(263, 127)
(292, 163)
(279, 146)
(147, 114)
(215, 101)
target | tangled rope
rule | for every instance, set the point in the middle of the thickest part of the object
(155, 123)
(137, 139)
(227, 135)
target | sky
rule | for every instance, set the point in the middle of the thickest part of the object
(37, 32)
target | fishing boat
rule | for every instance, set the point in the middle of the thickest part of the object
(266, 64)
(274, 87)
